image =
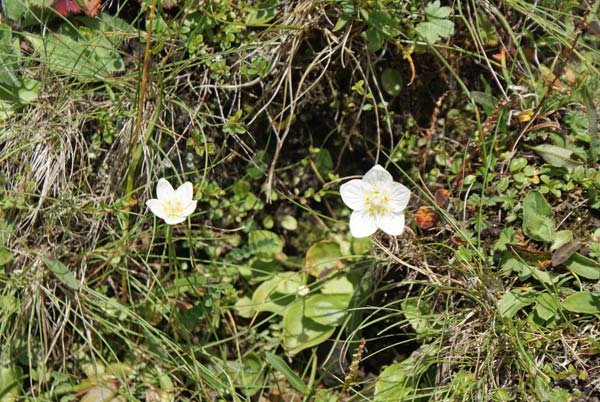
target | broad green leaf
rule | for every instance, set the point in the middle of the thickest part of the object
(288, 222)
(339, 284)
(394, 385)
(546, 306)
(556, 156)
(383, 22)
(62, 273)
(277, 363)
(391, 80)
(374, 39)
(327, 309)
(6, 256)
(323, 257)
(244, 307)
(300, 332)
(8, 60)
(275, 294)
(583, 266)
(10, 383)
(562, 237)
(251, 375)
(513, 301)
(583, 302)
(538, 219)
(88, 57)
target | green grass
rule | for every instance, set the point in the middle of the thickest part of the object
(491, 292)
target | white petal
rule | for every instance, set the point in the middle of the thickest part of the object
(391, 223)
(156, 207)
(190, 208)
(164, 190)
(362, 224)
(173, 220)
(399, 196)
(378, 175)
(353, 194)
(185, 192)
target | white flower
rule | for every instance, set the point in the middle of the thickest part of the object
(377, 202)
(172, 205)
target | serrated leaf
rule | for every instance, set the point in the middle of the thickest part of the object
(556, 156)
(583, 302)
(538, 219)
(433, 31)
(433, 10)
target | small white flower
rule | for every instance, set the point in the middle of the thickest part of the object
(377, 202)
(303, 290)
(172, 205)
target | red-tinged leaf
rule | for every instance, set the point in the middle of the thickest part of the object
(425, 217)
(441, 197)
(66, 7)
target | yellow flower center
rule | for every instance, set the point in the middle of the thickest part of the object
(173, 207)
(377, 202)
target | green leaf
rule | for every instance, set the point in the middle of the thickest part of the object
(322, 257)
(6, 256)
(288, 222)
(339, 284)
(300, 332)
(267, 243)
(418, 314)
(583, 302)
(275, 294)
(556, 156)
(391, 80)
(277, 363)
(394, 385)
(374, 39)
(546, 306)
(583, 266)
(10, 383)
(433, 10)
(487, 101)
(561, 238)
(513, 301)
(251, 375)
(86, 53)
(62, 273)
(327, 309)
(8, 60)
(538, 219)
(437, 26)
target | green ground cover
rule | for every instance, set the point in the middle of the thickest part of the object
(247, 284)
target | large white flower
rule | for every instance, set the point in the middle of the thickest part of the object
(377, 202)
(172, 205)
